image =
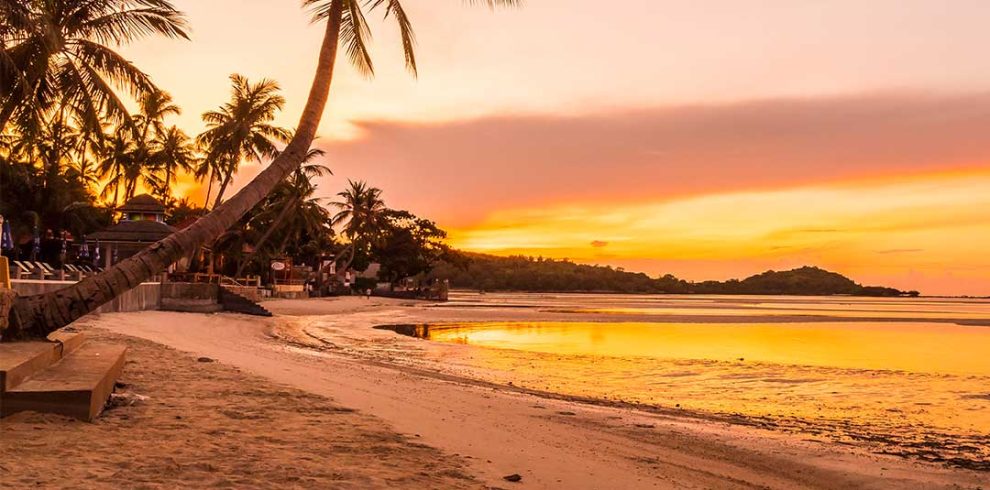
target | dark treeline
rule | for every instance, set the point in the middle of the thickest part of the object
(519, 273)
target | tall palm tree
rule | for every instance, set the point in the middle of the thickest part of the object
(154, 108)
(172, 151)
(60, 50)
(241, 130)
(139, 150)
(39, 315)
(116, 160)
(360, 211)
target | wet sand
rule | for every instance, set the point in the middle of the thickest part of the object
(553, 442)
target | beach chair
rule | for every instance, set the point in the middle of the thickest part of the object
(19, 270)
(74, 272)
(38, 271)
(30, 270)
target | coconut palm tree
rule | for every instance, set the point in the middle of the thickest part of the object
(155, 107)
(57, 51)
(241, 130)
(287, 198)
(360, 210)
(116, 157)
(126, 162)
(39, 315)
(172, 151)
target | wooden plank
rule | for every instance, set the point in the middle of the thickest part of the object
(19, 360)
(77, 386)
(4, 273)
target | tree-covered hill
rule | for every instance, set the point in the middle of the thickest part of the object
(519, 273)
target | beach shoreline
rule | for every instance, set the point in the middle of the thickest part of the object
(552, 441)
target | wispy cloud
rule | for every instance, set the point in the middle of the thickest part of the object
(900, 251)
(662, 153)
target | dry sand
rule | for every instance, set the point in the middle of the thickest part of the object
(479, 430)
(206, 424)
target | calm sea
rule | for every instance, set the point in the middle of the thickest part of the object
(909, 376)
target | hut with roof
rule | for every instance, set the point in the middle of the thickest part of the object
(142, 223)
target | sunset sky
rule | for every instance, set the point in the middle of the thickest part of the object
(704, 139)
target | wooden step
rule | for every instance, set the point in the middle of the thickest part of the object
(21, 360)
(77, 386)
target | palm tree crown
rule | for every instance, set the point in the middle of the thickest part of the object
(360, 209)
(241, 130)
(57, 53)
(355, 34)
(172, 151)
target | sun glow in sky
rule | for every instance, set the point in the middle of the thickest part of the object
(705, 139)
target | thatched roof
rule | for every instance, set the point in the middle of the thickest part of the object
(133, 231)
(142, 204)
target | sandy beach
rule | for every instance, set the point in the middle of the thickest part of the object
(284, 405)
(207, 424)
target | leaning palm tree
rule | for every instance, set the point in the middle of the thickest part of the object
(60, 50)
(39, 315)
(241, 130)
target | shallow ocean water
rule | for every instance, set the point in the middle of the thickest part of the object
(918, 387)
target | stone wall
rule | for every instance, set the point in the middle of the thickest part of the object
(190, 297)
(146, 296)
(250, 292)
(190, 290)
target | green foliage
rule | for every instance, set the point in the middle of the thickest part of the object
(359, 216)
(57, 201)
(408, 246)
(518, 273)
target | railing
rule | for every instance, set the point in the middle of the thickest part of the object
(219, 279)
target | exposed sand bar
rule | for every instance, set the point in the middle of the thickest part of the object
(552, 443)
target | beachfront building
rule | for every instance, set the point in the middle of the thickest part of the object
(142, 223)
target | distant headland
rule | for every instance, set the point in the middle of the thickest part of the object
(537, 274)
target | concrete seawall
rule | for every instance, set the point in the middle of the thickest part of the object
(146, 296)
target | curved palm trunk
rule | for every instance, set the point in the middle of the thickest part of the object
(209, 190)
(350, 259)
(223, 185)
(116, 190)
(167, 189)
(37, 316)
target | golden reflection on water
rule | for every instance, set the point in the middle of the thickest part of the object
(975, 313)
(916, 347)
(912, 385)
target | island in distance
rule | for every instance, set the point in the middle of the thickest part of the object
(531, 274)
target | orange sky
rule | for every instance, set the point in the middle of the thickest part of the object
(708, 141)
